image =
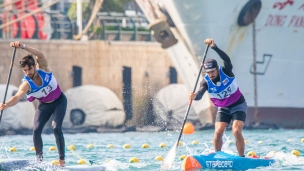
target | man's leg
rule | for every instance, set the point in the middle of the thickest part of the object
(42, 115)
(218, 133)
(58, 117)
(221, 122)
(237, 132)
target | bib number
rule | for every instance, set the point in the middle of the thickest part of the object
(225, 93)
(47, 90)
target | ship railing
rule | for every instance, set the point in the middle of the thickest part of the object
(120, 27)
(40, 23)
(56, 25)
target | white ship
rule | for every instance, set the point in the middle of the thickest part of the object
(262, 38)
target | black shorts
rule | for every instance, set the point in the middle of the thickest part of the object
(237, 112)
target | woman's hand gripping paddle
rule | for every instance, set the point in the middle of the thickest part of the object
(169, 158)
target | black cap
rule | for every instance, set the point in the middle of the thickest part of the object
(210, 65)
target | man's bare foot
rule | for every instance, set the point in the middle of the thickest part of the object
(39, 158)
(61, 163)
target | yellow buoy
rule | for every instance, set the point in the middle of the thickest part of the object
(302, 140)
(108, 160)
(182, 157)
(81, 161)
(159, 158)
(194, 142)
(52, 148)
(133, 160)
(145, 145)
(246, 141)
(188, 128)
(55, 162)
(127, 146)
(260, 142)
(162, 145)
(12, 149)
(251, 153)
(71, 147)
(32, 149)
(90, 146)
(296, 153)
(180, 143)
(110, 146)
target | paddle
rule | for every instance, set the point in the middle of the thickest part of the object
(8, 79)
(169, 158)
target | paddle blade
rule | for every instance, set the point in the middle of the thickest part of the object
(169, 158)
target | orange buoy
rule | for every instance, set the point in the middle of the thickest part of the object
(188, 128)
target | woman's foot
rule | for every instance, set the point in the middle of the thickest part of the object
(61, 163)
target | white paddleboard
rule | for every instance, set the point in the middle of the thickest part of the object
(6, 164)
(84, 168)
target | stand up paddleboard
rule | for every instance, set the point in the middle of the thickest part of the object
(84, 168)
(8, 164)
(223, 161)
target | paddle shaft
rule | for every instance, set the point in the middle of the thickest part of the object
(190, 101)
(169, 158)
(8, 79)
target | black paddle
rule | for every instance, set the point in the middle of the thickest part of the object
(8, 79)
(169, 159)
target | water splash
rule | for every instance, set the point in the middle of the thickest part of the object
(288, 159)
(114, 165)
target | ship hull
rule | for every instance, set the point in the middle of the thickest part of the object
(271, 45)
(275, 117)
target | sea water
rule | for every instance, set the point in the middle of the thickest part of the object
(262, 142)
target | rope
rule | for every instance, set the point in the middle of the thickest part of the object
(9, 3)
(28, 14)
(78, 156)
(95, 10)
(256, 110)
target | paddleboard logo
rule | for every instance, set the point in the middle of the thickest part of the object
(219, 164)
